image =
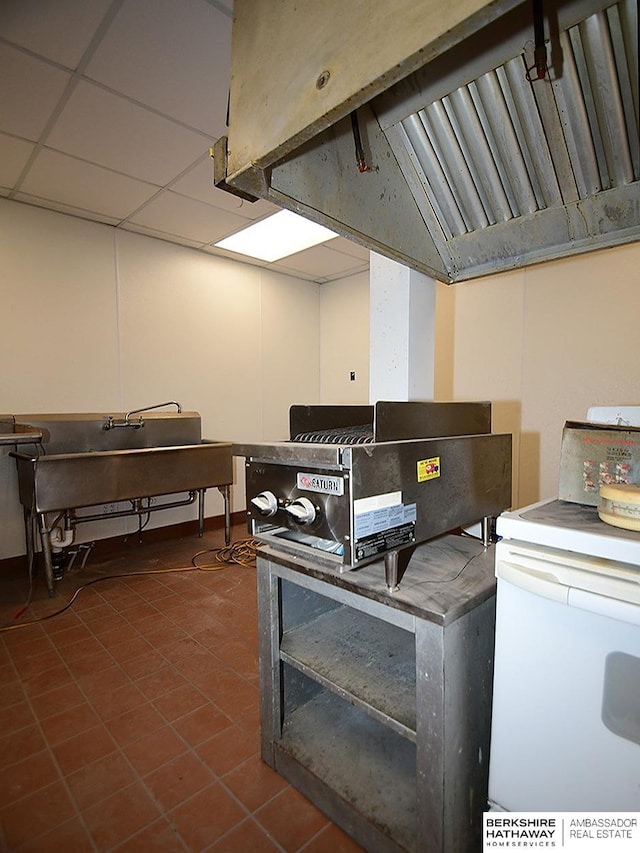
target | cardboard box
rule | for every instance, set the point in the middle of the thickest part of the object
(596, 454)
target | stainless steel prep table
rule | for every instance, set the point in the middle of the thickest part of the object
(377, 706)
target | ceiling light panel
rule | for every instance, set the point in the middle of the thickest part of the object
(276, 237)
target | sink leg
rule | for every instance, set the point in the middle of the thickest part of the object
(201, 512)
(28, 536)
(225, 491)
(46, 551)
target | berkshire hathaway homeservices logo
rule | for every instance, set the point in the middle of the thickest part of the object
(578, 832)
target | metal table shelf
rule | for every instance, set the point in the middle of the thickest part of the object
(376, 706)
(363, 659)
(363, 763)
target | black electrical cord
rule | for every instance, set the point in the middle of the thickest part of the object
(452, 577)
(141, 525)
(24, 607)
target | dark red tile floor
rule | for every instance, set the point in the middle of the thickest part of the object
(130, 722)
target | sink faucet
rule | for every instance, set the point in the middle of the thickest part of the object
(135, 423)
(114, 423)
(149, 408)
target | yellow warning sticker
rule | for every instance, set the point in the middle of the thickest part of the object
(428, 469)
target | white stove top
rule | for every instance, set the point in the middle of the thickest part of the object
(570, 527)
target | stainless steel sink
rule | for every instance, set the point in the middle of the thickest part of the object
(87, 460)
(72, 480)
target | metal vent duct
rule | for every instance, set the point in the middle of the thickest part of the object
(476, 169)
(501, 148)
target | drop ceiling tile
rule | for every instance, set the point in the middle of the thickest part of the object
(362, 268)
(186, 217)
(256, 262)
(69, 209)
(350, 248)
(99, 126)
(321, 261)
(253, 209)
(198, 183)
(60, 31)
(29, 92)
(85, 186)
(14, 154)
(115, 143)
(160, 235)
(172, 56)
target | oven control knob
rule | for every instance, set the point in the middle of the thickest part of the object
(266, 503)
(302, 510)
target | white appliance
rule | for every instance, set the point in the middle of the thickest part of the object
(566, 703)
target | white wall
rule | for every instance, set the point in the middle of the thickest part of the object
(344, 340)
(545, 343)
(58, 319)
(94, 319)
(98, 320)
(484, 355)
(542, 343)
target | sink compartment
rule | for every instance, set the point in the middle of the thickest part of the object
(73, 480)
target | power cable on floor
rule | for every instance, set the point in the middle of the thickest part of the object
(241, 553)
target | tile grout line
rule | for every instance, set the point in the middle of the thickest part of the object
(190, 749)
(231, 593)
(62, 777)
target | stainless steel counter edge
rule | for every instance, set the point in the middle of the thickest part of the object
(11, 438)
(446, 577)
(288, 451)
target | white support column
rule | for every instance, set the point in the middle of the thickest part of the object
(402, 332)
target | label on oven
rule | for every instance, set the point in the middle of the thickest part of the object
(385, 540)
(322, 483)
(380, 512)
(428, 469)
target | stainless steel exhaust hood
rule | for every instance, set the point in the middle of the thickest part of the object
(470, 168)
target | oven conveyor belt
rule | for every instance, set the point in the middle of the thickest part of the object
(339, 435)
